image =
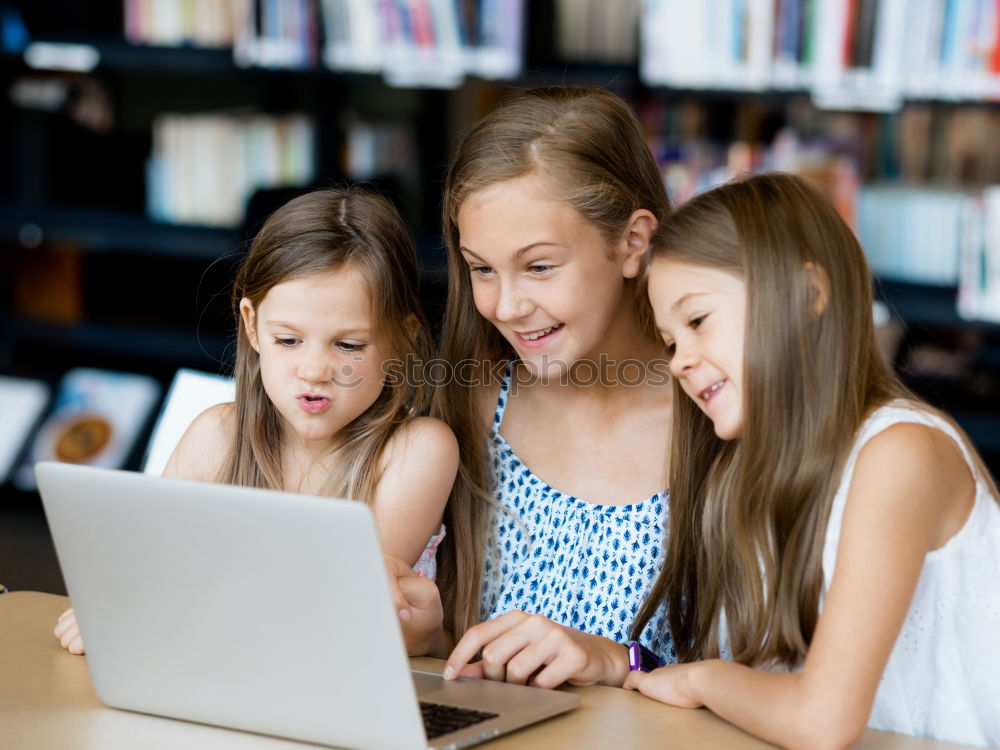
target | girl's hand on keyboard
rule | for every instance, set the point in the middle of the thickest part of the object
(533, 650)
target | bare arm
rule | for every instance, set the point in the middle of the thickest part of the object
(892, 520)
(419, 470)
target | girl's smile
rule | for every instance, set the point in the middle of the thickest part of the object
(709, 393)
(539, 338)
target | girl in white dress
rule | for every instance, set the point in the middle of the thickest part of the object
(833, 557)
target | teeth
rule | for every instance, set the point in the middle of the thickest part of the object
(707, 393)
(539, 334)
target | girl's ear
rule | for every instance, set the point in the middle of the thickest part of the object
(638, 232)
(819, 288)
(412, 325)
(249, 316)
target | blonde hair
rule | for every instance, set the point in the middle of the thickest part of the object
(748, 517)
(588, 145)
(318, 232)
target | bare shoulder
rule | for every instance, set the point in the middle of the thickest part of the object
(916, 471)
(425, 438)
(218, 417)
(205, 445)
(915, 454)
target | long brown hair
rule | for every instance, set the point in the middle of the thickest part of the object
(590, 147)
(318, 232)
(748, 517)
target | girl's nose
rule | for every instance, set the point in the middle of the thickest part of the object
(512, 304)
(683, 360)
(315, 368)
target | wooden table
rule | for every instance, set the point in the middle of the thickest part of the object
(47, 701)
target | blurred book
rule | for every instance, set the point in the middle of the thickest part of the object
(913, 234)
(859, 54)
(22, 402)
(715, 44)
(96, 419)
(204, 167)
(190, 393)
(425, 47)
(424, 43)
(277, 34)
(413, 43)
(171, 23)
(851, 54)
(921, 145)
(940, 237)
(979, 277)
(794, 39)
(693, 164)
(598, 31)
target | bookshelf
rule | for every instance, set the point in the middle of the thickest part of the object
(75, 148)
(110, 230)
(896, 111)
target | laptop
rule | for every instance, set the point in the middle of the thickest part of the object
(257, 610)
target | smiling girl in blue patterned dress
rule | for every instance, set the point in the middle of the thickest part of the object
(556, 520)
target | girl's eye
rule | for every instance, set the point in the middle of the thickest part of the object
(349, 346)
(481, 270)
(539, 268)
(697, 321)
(285, 341)
(670, 349)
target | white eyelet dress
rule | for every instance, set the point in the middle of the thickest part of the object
(583, 565)
(943, 676)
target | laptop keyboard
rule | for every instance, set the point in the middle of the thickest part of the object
(440, 719)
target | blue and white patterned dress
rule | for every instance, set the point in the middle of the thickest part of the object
(583, 565)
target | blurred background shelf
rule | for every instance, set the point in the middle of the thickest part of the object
(116, 53)
(138, 345)
(114, 231)
(928, 304)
